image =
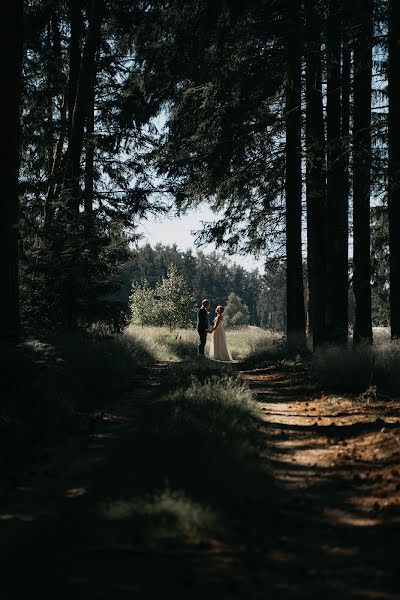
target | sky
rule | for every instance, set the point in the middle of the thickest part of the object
(179, 231)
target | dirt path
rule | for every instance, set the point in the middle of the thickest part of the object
(325, 521)
(336, 462)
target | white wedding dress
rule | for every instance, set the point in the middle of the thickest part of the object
(219, 348)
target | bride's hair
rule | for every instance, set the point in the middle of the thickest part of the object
(221, 309)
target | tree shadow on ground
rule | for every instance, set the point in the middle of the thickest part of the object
(187, 501)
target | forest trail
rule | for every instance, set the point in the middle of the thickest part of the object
(330, 516)
(336, 463)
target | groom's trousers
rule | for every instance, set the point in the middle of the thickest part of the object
(202, 342)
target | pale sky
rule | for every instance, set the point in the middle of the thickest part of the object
(177, 231)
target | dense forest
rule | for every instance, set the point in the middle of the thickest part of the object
(283, 115)
(210, 276)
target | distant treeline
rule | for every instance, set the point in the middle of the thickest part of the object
(210, 276)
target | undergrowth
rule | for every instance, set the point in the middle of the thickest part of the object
(355, 370)
(45, 382)
(196, 467)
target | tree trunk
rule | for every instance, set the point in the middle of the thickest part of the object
(293, 188)
(76, 140)
(55, 168)
(362, 172)
(90, 148)
(346, 151)
(337, 201)
(315, 180)
(75, 40)
(54, 75)
(11, 34)
(394, 166)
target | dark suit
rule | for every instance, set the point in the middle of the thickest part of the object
(203, 325)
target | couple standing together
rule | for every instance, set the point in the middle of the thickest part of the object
(219, 348)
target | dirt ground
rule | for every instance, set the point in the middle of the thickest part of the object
(333, 516)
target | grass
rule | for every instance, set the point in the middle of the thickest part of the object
(355, 370)
(166, 345)
(45, 382)
(199, 468)
(221, 407)
(163, 515)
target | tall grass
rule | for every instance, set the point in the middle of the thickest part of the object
(196, 465)
(163, 344)
(166, 345)
(355, 370)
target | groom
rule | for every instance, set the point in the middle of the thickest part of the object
(203, 325)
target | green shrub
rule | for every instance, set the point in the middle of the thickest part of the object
(219, 411)
(169, 304)
(183, 374)
(354, 370)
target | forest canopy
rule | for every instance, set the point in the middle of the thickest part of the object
(284, 116)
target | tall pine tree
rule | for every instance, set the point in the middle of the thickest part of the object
(11, 36)
(293, 182)
(394, 166)
(362, 171)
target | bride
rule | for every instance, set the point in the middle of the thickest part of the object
(219, 348)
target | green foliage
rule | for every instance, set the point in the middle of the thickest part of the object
(69, 262)
(142, 304)
(271, 300)
(236, 313)
(175, 303)
(171, 303)
(207, 275)
(69, 278)
(225, 129)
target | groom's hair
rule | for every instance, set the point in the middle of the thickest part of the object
(205, 301)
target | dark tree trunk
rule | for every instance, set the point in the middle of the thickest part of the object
(11, 33)
(54, 76)
(337, 201)
(362, 172)
(90, 149)
(76, 139)
(394, 166)
(346, 110)
(55, 168)
(89, 161)
(346, 148)
(316, 180)
(75, 41)
(75, 146)
(293, 187)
